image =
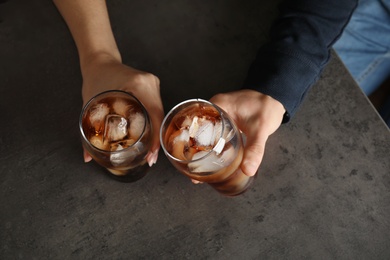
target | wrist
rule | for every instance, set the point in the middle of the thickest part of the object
(274, 106)
(93, 59)
(282, 111)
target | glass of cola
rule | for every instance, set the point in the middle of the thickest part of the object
(116, 131)
(204, 143)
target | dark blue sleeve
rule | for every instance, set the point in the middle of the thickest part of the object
(298, 49)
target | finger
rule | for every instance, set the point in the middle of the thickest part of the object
(156, 124)
(253, 154)
(156, 117)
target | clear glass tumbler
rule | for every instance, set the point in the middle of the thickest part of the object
(203, 142)
(116, 131)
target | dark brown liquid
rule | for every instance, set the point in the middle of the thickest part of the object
(97, 129)
(114, 142)
(227, 179)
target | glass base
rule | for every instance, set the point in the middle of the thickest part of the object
(130, 175)
(232, 187)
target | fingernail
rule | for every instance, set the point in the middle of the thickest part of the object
(150, 163)
(149, 159)
(153, 158)
(250, 168)
(87, 159)
(195, 181)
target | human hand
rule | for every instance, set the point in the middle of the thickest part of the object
(257, 116)
(104, 73)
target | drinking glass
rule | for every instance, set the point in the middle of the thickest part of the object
(116, 131)
(204, 143)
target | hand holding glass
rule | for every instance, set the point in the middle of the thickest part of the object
(203, 142)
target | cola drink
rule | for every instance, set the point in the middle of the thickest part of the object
(203, 142)
(115, 130)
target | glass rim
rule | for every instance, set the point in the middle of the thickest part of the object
(83, 110)
(195, 101)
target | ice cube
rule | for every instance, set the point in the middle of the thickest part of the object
(137, 125)
(186, 123)
(184, 136)
(115, 128)
(202, 130)
(98, 142)
(98, 113)
(205, 134)
(118, 158)
(121, 107)
(128, 143)
(123, 143)
(211, 162)
(228, 133)
(182, 121)
(217, 131)
(194, 127)
(178, 143)
(200, 154)
(178, 150)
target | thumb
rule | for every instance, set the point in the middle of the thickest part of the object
(253, 153)
(156, 117)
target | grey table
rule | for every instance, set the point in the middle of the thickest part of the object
(322, 191)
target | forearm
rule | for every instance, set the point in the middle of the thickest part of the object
(89, 24)
(299, 47)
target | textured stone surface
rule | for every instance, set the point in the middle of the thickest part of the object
(322, 191)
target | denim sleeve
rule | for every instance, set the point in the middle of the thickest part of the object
(298, 49)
